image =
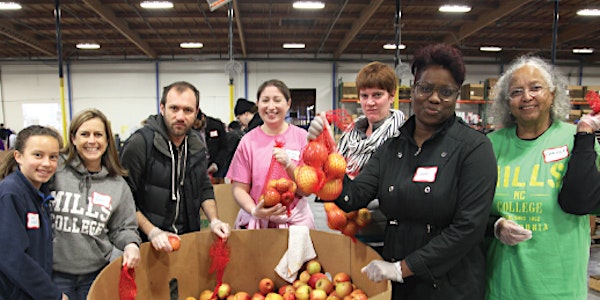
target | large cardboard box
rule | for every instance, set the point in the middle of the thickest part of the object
(254, 255)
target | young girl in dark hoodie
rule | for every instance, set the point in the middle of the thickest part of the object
(25, 228)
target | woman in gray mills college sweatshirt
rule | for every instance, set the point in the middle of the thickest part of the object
(93, 208)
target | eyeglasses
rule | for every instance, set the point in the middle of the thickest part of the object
(518, 93)
(446, 93)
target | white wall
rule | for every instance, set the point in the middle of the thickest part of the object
(127, 92)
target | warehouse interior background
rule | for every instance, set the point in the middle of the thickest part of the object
(140, 51)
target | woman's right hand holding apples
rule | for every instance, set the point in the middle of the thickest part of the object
(261, 212)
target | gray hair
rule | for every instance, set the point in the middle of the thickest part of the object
(557, 84)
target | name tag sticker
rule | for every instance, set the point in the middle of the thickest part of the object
(555, 154)
(213, 133)
(101, 200)
(425, 174)
(293, 154)
(33, 221)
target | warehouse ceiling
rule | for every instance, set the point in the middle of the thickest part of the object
(344, 29)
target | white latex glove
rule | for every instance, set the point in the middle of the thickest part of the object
(592, 120)
(221, 229)
(316, 126)
(378, 270)
(510, 233)
(160, 240)
(65, 297)
(282, 157)
(131, 255)
(260, 212)
(212, 168)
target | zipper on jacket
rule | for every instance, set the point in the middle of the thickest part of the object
(178, 195)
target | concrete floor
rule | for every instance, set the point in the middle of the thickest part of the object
(593, 269)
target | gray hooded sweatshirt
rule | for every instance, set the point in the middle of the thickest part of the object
(91, 213)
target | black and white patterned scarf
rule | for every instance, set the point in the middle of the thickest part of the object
(357, 149)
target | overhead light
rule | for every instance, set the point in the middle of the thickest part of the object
(191, 45)
(583, 50)
(9, 5)
(88, 46)
(455, 8)
(308, 5)
(393, 46)
(589, 12)
(156, 4)
(294, 46)
(490, 49)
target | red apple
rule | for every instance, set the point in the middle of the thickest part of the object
(286, 288)
(224, 290)
(303, 292)
(266, 286)
(258, 296)
(304, 276)
(343, 289)
(241, 296)
(289, 296)
(313, 267)
(230, 297)
(332, 297)
(341, 277)
(175, 242)
(325, 284)
(317, 295)
(312, 281)
(273, 296)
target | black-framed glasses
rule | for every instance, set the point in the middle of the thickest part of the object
(518, 93)
(426, 89)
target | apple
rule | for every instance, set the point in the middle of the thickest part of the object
(258, 296)
(266, 286)
(341, 277)
(304, 276)
(224, 290)
(286, 288)
(190, 298)
(230, 297)
(289, 295)
(317, 295)
(358, 294)
(273, 296)
(241, 296)
(325, 284)
(297, 283)
(332, 297)
(313, 267)
(303, 292)
(343, 289)
(175, 242)
(312, 281)
(206, 295)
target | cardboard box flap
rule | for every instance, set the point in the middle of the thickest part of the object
(253, 256)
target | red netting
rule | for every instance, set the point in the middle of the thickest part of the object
(593, 99)
(277, 187)
(340, 118)
(127, 287)
(219, 253)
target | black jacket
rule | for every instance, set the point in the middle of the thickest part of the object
(158, 189)
(216, 141)
(254, 122)
(436, 222)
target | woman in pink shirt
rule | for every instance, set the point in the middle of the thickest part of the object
(251, 160)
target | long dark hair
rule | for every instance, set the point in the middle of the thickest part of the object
(9, 164)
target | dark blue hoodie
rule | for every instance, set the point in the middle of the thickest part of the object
(25, 241)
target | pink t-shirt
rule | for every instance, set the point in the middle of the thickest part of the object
(250, 165)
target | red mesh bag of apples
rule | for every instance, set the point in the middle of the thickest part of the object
(127, 286)
(278, 187)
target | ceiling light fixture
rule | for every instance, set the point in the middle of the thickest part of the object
(594, 12)
(88, 46)
(308, 5)
(490, 49)
(191, 45)
(156, 4)
(391, 46)
(9, 5)
(455, 8)
(583, 50)
(294, 46)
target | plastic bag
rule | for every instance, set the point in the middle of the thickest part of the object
(278, 187)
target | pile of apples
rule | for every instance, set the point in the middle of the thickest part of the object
(281, 190)
(311, 284)
(347, 222)
(322, 172)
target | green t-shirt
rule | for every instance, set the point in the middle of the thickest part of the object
(553, 263)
